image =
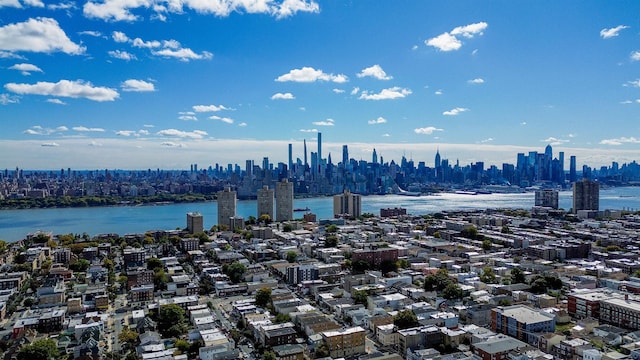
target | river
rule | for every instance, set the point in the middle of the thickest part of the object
(16, 224)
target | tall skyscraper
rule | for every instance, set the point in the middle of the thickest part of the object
(319, 149)
(374, 156)
(586, 195)
(304, 141)
(345, 156)
(194, 223)
(265, 202)
(437, 161)
(284, 200)
(572, 169)
(347, 204)
(290, 159)
(226, 206)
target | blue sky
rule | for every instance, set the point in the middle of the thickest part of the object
(158, 83)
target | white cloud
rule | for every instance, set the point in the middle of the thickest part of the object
(338, 91)
(10, 3)
(355, 90)
(119, 37)
(139, 43)
(414, 47)
(86, 129)
(476, 81)
(523, 123)
(455, 111)
(328, 122)
(427, 130)
(26, 69)
(309, 130)
(386, 94)
(620, 141)
(34, 3)
(309, 74)
(95, 143)
(486, 140)
(554, 141)
(635, 56)
(209, 108)
(632, 83)
(223, 119)
(62, 6)
(37, 35)
(243, 124)
(386, 135)
(90, 33)
(129, 133)
(148, 125)
(65, 88)
(6, 99)
(184, 54)
(172, 144)
(50, 144)
(116, 10)
(122, 55)
(39, 130)
(10, 55)
(379, 120)
(281, 96)
(195, 134)
(187, 116)
(449, 41)
(612, 32)
(374, 71)
(137, 86)
(56, 101)
(438, 92)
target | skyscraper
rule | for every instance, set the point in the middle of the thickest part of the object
(320, 167)
(572, 169)
(290, 159)
(226, 206)
(284, 200)
(345, 156)
(586, 195)
(437, 161)
(194, 223)
(304, 141)
(265, 202)
(374, 157)
(347, 204)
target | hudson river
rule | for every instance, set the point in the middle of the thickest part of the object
(16, 224)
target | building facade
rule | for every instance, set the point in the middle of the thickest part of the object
(284, 200)
(265, 202)
(586, 195)
(226, 206)
(195, 223)
(347, 204)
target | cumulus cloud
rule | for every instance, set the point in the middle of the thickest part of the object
(486, 140)
(635, 56)
(426, 130)
(90, 33)
(86, 129)
(56, 101)
(26, 69)
(438, 92)
(137, 86)
(612, 32)
(476, 81)
(39, 130)
(37, 35)
(374, 71)
(119, 37)
(122, 55)
(195, 134)
(187, 116)
(183, 54)
(50, 144)
(309, 130)
(282, 96)
(95, 143)
(449, 41)
(129, 133)
(6, 99)
(338, 91)
(328, 122)
(65, 88)
(554, 141)
(172, 144)
(386, 94)
(620, 141)
(379, 120)
(455, 111)
(632, 83)
(209, 108)
(355, 90)
(122, 10)
(309, 74)
(223, 119)
(243, 124)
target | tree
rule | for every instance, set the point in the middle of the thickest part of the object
(488, 276)
(171, 320)
(80, 265)
(129, 337)
(437, 281)
(42, 349)
(360, 296)
(182, 345)
(486, 244)
(263, 296)
(405, 319)
(470, 232)
(505, 229)
(359, 267)
(388, 266)
(269, 355)
(154, 264)
(235, 271)
(403, 263)
(452, 291)
(331, 241)
(287, 228)
(160, 280)
(282, 318)
(292, 256)
(3, 246)
(517, 276)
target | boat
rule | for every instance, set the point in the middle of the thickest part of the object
(302, 209)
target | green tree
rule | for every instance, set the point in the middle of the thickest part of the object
(470, 232)
(80, 265)
(171, 320)
(486, 244)
(292, 256)
(388, 266)
(452, 291)
(269, 355)
(437, 281)
(154, 264)
(360, 296)
(263, 296)
(282, 318)
(287, 228)
(405, 319)
(403, 263)
(129, 337)
(359, 266)
(160, 280)
(331, 228)
(3, 246)
(517, 276)
(235, 271)
(488, 276)
(182, 345)
(331, 241)
(42, 349)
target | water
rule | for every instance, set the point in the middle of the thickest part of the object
(15, 224)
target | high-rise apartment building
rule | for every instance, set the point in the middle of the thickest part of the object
(586, 195)
(265, 202)
(226, 206)
(195, 223)
(547, 198)
(284, 200)
(347, 204)
(572, 169)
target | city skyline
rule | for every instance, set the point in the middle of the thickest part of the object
(110, 84)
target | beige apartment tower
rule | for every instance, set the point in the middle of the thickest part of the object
(226, 206)
(284, 200)
(347, 204)
(195, 223)
(265, 202)
(586, 195)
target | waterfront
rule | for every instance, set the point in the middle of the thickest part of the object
(15, 224)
